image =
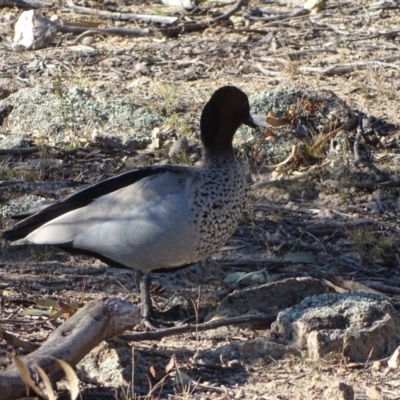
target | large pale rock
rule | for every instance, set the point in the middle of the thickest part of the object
(394, 360)
(182, 4)
(359, 326)
(315, 6)
(33, 31)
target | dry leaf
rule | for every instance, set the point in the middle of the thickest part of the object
(170, 366)
(274, 120)
(26, 375)
(72, 378)
(46, 382)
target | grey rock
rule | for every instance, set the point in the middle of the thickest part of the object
(179, 146)
(269, 298)
(55, 114)
(360, 326)
(88, 40)
(263, 349)
(110, 364)
(339, 391)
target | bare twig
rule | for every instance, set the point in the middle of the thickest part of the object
(173, 32)
(357, 140)
(343, 69)
(103, 31)
(267, 72)
(283, 16)
(393, 32)
(325, 138)
(375, 185)
(12, 340)
(387, 289)
(28, 150)
(332, 227)
(157, 335)
(300, 53)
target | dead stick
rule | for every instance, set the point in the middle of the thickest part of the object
(332, 227)
(25, 4)
(161, 19)
(325, 138)
(357, 140)
(103, 31)
(12, 340)
(342, 69)
(26, 150)
(173, 32)
(158, 335)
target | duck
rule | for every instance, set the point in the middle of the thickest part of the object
(157, 218)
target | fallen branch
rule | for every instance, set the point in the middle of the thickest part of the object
(161, 19)
(12, 340)
(283, 16)
(332, 227)
(70, 342)
(343, 69)
(25, 4)
(192, 27)
(26, 150)
(102, 31)
(161, 333)
(393, 33)
(376, 185)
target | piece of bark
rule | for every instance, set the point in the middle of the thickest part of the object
(70, 342)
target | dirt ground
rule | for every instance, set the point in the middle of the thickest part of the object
(348, 221)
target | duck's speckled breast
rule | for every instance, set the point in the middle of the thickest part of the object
(218, 201)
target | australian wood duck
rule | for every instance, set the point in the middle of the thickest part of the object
(155, 218)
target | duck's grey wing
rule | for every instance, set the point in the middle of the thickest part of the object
(33, 219)
(146, 225)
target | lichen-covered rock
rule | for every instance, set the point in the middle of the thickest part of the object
(359, 326)
(271, 298)
(58, 115)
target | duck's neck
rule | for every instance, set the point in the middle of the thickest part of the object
(218, 156)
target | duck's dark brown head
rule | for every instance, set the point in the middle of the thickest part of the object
(227, 109)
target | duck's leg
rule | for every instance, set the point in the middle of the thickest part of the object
(144, 286)
(148, 314)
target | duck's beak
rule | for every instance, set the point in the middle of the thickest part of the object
(250, 122)
(259, 120)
